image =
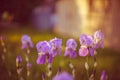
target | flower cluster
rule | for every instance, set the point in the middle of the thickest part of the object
(89, 43)
(26, 42)
(48, 49)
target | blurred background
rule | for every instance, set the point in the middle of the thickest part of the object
(46, 19)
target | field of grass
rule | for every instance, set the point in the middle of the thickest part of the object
(107, 59)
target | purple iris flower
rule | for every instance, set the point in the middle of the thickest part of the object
(44, 54)
(43, 47)
(41, 59)
(86, 40)
(87, 45)
(26, 42)
(63, 76)
(83, 51)
(70, 49)
(56, 46)
(91, 43)
(103, 75)
(91, 51)
(18, 59)
(98, 39)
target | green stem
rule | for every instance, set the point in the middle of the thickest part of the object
(87, 69)
(72, 67)
(27, 61)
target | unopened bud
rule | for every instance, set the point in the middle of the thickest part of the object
(73, 72)
(4, 50)
(86, 66)
(49, 73)
(71, 65)
(95, 64)
(43, 76)
(95, 52)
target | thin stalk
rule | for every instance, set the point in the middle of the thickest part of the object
(87, 67)
(27, 62)
(3, 54)
(49, 68)
(72, 67)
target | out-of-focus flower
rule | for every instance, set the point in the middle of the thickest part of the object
(71, 43)
(2, 37)
(43, 47)
(26, 42)
(83, 51)
(70, 52)
(70, 49)
(56, 46)
(18, 59)
(91, 51)
(99, 39)
(63, 76)
(44, 55)
(41, 59)
(90, 43)
(29, 64)
(19, 64)
(59, 70)
(86, 40)
(83, 39)
(44, 58)
(103, 75)
(43, 76)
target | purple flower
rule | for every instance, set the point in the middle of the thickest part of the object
(70, 52)
(98, 39)
(43, 76)
(63, 76)
(98, 35)
(86, 40)
(29, 64)
(50, 58)
(71, 43)
(70, 49)
(83, 51)
(41, 59)
(90, 43)
(44, 54)
(18, 59)
(56, 46)
(43, 47)
(26, 42)
(91, 51)
(2, 37)
(103, 75)
(87, 45)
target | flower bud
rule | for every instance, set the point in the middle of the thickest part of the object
(86, 66)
